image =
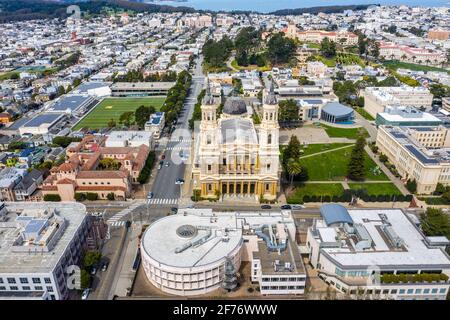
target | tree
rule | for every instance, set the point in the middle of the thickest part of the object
(85, 279)
(411, 185)
(142, 114)
(356, 166)
(126, 118)
(109, 164)
(112, 123)
(294, 168)
(110, 196)
(435, 222)
(64, 141)
(292, 151)
(247, 41)
(91, 258)
(280, 49)
(327, 48)
(288, 111)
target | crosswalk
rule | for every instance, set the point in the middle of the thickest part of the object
(118, 224)
(178, 148)
(162, 201)
(118, 216)
(181, 140)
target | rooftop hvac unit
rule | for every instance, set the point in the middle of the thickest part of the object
(392, 235)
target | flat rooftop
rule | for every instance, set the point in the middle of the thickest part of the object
(424, 155)
(414, 253)
(70, 102)
(142, 85)
(165, 236)
(31, 262)
(43, 119)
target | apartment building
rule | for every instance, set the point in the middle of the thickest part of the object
(377, 98)
(353, 251)
(39, 242)
(422, 154)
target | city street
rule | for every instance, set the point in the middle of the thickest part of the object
(165, 191)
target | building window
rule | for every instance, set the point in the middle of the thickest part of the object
(2, 288)
(209, 167)
(13, 288)
(1, 280)
(50, 289)
(23, 280)
(426, 291)
(434, 290)
(269, 139)
(11, 280)
(38, 288)
(410, 291)
(47, 280)
(26, 288)
(402, 291)
(36, 280)
(442, 290)
(418, 291)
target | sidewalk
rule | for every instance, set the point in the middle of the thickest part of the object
(393, 178)
(126, 275)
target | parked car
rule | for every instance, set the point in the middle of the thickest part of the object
(105, 266)
(174, 210)
(85, 294)
(150, 195)
(167, 163)
(93, 271)
(179, 181)
(297, 206)
(286, 207)
(266, 206)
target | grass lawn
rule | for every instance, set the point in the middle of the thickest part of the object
(235, 65)
(365, 114)
(112, 108)
(332, 166)
(383, 188)
(350, 133)
(412, 66)
(320, 147)
(317, 189)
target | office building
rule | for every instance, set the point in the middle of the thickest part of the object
(358, 251)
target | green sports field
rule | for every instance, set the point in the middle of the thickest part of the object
(112, 108)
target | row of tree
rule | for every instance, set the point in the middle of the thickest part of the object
(138, 76)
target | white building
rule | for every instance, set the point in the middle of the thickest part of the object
(353, 250)
(39, 241)
(185, 254)
(129, 139)
(421, 154)
(156, 124)
(377, 98)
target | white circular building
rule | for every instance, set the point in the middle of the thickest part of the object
(185, 254)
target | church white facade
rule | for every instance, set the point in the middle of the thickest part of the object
(234, 158)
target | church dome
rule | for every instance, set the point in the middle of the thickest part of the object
(235, 106)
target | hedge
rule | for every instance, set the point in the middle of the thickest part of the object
(52, 197)
(405, 278)
(80, 197)
(147, 169)
(91, 196)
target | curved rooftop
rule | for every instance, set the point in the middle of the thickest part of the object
(190, 241)
(235, 106)
(336, 109)
(335, 213)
